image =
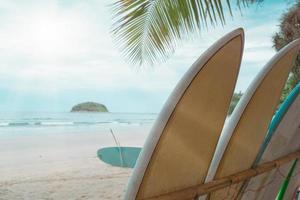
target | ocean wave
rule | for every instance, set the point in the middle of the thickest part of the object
(91, 123)
(55, 123)
(68, 123)
(4, 124)
(18, 124)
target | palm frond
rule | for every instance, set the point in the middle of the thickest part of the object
(147, 30)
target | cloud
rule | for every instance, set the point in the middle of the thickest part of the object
(46, 46)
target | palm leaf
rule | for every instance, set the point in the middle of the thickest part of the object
(148, 30)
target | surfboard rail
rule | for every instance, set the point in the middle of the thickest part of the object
(206, 188)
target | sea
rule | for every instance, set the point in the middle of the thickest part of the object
(44, 122)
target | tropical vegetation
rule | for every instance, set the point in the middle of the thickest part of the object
(148, 30)
(289, 30)
(89, 107)
(234, 100)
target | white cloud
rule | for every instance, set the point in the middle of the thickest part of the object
(48, 48)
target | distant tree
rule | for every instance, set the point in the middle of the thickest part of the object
(289, 30)
(235, 99)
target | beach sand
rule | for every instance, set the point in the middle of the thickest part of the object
(59, 165)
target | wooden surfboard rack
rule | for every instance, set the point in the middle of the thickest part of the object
(206, 188)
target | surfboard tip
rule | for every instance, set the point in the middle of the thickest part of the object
(291, 45)
(237, 32)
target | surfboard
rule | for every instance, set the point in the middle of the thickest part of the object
(257, 183)
(245, 131)
(181, 143)
(285, 139)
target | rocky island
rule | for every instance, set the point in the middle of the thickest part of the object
(89, 107)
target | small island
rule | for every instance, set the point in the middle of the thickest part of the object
(89, 107)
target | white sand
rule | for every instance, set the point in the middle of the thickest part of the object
(63, 165)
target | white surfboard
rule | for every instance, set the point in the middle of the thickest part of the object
(286, 139)
(244, 133)
(182, 141)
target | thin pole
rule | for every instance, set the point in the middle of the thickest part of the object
(119, 147)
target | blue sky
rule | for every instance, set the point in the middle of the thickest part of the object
(54, 54)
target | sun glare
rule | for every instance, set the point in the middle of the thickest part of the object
(48, 32)
(52, 35)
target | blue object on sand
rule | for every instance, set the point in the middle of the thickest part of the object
(119, 156)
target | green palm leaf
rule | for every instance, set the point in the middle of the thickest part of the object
(147, 30)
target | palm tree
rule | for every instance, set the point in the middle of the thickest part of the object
(148, 30)
(289, 30)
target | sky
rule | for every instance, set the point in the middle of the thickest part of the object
(57, 53)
